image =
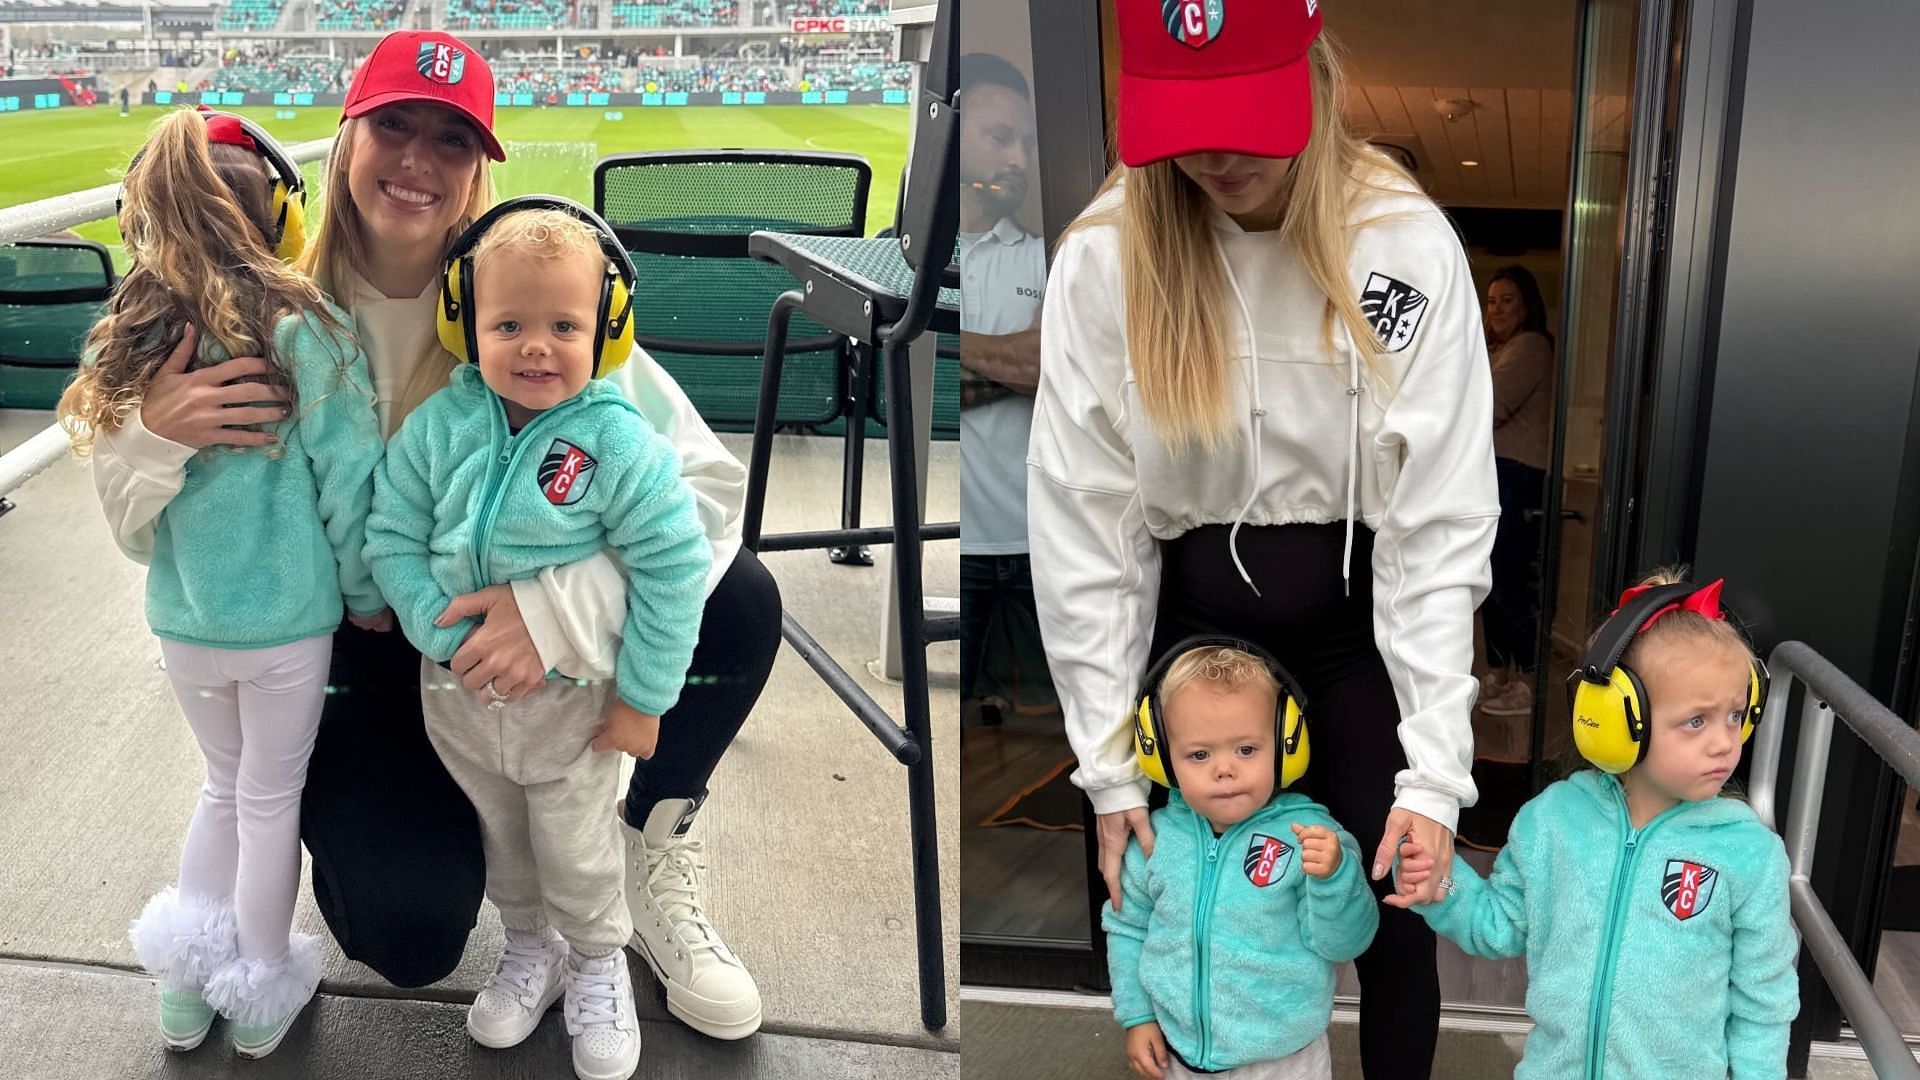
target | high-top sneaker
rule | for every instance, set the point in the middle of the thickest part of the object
(601, 1017)
(525, 983)
(707, 986)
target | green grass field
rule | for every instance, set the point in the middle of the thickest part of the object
(549, 150)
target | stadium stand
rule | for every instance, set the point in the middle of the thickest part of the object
(264, 74)
(676, 13)
(512, 14)
(250, 14)
(360, 14)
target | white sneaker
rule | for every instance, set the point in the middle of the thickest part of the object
(600, 1017)
(525, 983)
(1493, 683)
(1515, 700)
(707, 986)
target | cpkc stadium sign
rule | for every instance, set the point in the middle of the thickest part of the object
(843, 24)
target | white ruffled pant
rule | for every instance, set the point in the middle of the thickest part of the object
(226, 929)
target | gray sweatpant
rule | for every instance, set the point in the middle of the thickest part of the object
(545, 799)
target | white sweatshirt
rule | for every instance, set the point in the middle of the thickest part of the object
(573, 613)
(1411, 457)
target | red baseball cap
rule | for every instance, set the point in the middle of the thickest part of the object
(1225, 76)
(430, 66)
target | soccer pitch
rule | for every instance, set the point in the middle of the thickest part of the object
(549, 150)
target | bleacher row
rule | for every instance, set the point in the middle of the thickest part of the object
(281, 74)
(319, 74)
(534, 14)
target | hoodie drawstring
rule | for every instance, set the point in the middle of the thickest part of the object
(1253, 422)
(1253, 442)
(1353, 456)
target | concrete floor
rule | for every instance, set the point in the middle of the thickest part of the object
(1079, 1040)
(805, 829)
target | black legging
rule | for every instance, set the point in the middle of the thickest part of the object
(1509, 613)
(397, 868)
(1325, 640)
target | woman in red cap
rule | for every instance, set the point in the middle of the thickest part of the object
(1265, 411)
(397, 866)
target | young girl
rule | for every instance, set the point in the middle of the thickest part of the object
(1653, 914)
(249, 562)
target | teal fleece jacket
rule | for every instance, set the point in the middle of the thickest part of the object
(1661, 951)
(260, 549)
(461, 503)
(1226, 942)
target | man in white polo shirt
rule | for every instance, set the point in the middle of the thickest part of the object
(1003, 275)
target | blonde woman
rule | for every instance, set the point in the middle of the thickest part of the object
(397, 865)
(1265, 411)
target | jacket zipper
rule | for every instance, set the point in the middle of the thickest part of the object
(498, 471)
(1204, 898)
(1202, 919)
(1601, 1009)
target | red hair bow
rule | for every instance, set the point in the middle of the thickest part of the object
(1705, 602)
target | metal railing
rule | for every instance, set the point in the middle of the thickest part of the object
(29, 220)
(1829, 693)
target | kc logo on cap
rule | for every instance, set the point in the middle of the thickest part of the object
(1187, 86)
(1193, 22)
(441, 63)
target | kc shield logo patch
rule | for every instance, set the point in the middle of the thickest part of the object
(1395, 309)
(1687, 887)
(565, 473)
(1193, 23)
(440, 63)
(1267, 859)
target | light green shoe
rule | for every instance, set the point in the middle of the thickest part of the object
(185, 1018)
(259, 1040)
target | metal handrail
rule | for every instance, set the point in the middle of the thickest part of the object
(28, 220)
(1829, 692)
(43, 216)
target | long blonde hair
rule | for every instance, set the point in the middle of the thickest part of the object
(195, 218)
(1175, 290)
(336, 250)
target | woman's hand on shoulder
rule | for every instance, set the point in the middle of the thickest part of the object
(196, 408)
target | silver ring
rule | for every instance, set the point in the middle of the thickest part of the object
(493, 692)
(1446, 883)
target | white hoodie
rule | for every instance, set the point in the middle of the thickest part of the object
(1411, 457)
(573, 613)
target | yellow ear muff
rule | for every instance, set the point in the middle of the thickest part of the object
(616, 337)
(1147, 747)
(1609, 721)
(291, 212)
(448, 321)
(1294, 748)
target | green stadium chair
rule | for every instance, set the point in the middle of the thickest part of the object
(701, 302)
(51, 294)
(883, 293)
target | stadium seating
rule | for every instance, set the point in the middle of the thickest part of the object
(250, 14)
(360, 14)
(511, 14)
(827, 9)
(676, 13)
(827, 75)
(281, 74)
